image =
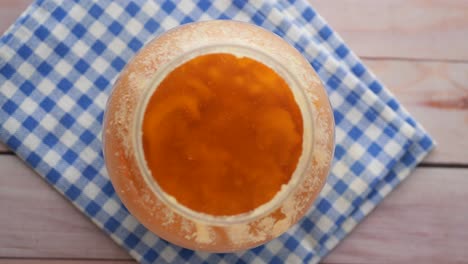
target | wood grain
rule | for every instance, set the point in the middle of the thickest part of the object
(418, 29)
(420, 215)
(3, 148)
(436, 94)
(10, 10)
(425, 220)
(33, 213)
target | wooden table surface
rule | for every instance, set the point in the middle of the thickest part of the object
(418, 48)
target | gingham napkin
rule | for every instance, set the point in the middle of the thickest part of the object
(58, 63)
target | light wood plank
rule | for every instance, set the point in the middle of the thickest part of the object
(436, 94)
(10, 10)
(3, 148)
(422, 29)
(36, 221)
(427, 214)
(424, 221)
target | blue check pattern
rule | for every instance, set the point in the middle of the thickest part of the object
(58, 63)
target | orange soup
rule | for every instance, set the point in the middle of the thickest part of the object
(222, 134)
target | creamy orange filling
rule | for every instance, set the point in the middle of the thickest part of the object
(222, 134)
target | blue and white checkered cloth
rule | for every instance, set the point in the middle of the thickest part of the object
(58, 63)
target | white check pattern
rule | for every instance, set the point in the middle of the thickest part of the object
(58, 63)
